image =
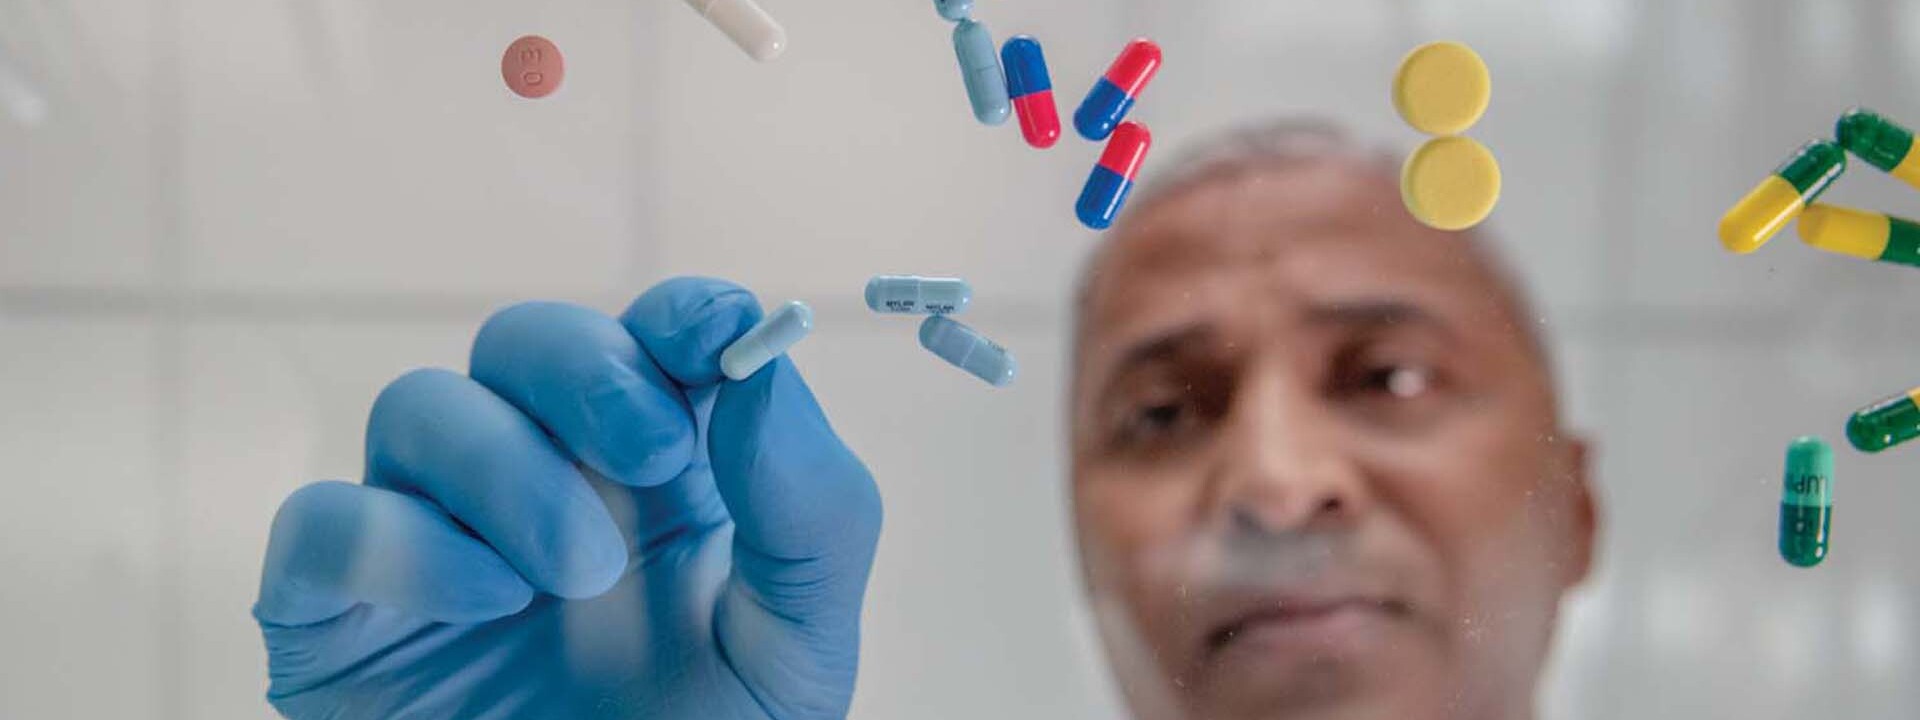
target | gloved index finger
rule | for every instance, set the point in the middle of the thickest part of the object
(684, 323)
(584, 379)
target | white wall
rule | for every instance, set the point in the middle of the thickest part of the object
(239, 218)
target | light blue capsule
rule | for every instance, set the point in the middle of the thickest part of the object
(776, 332)
(955, 10)
(915, 295)
(967, 350)
(980, 68)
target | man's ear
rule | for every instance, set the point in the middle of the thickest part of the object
(1583, 510)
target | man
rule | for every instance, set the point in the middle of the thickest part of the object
(1318, 472)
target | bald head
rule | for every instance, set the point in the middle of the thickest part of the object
(1318, 470)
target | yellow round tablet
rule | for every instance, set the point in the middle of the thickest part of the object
(1442, 88)
(1450, 183)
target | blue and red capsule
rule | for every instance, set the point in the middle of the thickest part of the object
(1113, 94)
(1106, 189)
(1032, 90)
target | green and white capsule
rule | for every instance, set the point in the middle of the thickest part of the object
(1806, 502)
(1886, 423)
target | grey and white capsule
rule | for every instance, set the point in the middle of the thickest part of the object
(967, 350)
(775, 333)
(915, 295)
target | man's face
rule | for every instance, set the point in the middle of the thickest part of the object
(1317, 470)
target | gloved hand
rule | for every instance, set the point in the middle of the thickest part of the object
(594, 524)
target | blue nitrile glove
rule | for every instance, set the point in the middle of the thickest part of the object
(595, 524)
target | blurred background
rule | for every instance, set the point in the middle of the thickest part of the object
(226, 224)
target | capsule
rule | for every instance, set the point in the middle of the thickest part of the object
(915, 295)
(1882, 143)
(1032, 91)
(775, 333)
(746, 25)
(1106, 189)
(1113, 94)
(1779, 199)
(1886, 423)
(967, 350)
(1806, 502)
(980, 68)
(1861, 233)
(954, 10)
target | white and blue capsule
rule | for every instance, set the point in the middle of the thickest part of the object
(767, 340)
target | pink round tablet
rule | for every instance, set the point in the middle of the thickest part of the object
(532, 67)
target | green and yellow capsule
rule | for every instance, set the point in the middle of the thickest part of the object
(1861, 233)
(1880, 142)
(1806, 502)
(1886, 423)
(1779, 199)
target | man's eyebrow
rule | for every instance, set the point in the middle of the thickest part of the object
(1164, 345)
(1368, 314)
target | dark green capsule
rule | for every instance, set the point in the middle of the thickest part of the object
(1903, 242)
(1813, 168)
(1886, 423)
(1806, 502)
(1882, 143)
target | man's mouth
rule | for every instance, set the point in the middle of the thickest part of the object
(1288, 624)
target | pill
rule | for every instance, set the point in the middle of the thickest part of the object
(1880, 142)
(1781, 197)
(1115, 92)
(1106, 189)
(1032, 91)
(1441, 88)
(1806, 502)
(955, 10)
(1886, 423)
(532, 67)
(967, 350)
(912, 294)
(1861, 233)
(1450, 183)
(769, 338)
(980, 69)
(746, 25)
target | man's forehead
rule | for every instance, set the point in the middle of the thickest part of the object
(1330, 228)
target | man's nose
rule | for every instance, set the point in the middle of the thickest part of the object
(1284, 464)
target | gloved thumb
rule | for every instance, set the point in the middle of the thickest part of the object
(807, 519)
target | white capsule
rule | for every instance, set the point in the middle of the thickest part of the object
(967, 350)
(915, 295)
(767, 340)
(746, 24)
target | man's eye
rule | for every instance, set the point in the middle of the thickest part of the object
(1155, 421)
(1401, 381)
(1388, 382)
(1158, 417)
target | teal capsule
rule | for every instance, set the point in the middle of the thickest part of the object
(915, 295)
(980, 69)
(954, 10)
(967, 349)
(1806, 502)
